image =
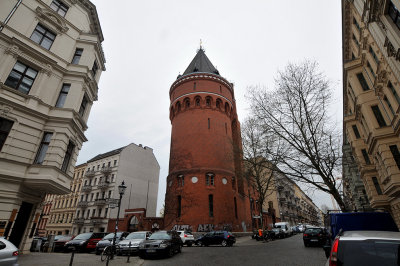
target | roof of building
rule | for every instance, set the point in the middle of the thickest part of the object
(201, 63)
(107, 154)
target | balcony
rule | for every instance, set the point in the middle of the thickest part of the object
(103, 185)
(90, 173)
(100, 202)
(96, 220)
(106, 170)
(79, 221)
(86, 188)
(83, 204)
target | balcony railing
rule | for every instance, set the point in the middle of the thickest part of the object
(103, 185)
(83, 204)
(106, 170)
(100, 202)
(79, 221)
(90, 173)
(87, 188)
(96, 220)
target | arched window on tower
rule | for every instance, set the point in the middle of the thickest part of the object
(179, 209)
(208, 101)
(181, 180)
(218, 103)
(226, 108)
(210, 178)
(197, 101)
(187, 103)
(178, 107)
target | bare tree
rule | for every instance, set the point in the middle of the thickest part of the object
(296, 111)
(259, 160)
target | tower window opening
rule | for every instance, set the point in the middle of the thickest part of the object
(197, 100)
(208, 123)
(208, 102)
(178, 106)
(218, 104)
(234, 202)
(233, 183)
(226, 128)
(187, 103)
(210, 179)
(194, 86)
(179, 210)
(181, 180)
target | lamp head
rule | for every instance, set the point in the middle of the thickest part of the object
(122, 188)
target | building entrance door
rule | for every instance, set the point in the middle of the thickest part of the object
(20, 223)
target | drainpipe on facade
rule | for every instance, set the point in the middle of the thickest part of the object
(10, 15)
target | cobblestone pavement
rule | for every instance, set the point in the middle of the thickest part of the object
(61, 259)
(246, 251)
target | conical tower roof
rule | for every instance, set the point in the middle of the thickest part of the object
(201, 63)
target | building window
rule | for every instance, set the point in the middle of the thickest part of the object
(68, 155)
(208, 123)
(376, 184)
(208, 102)
(370, 69)
(187, 103)
(44, 145)
(83, 106)
(226, 129)
(356, 24)
(362, 81)
(233, 183)
(211, 205)
(63, 95)
(43, 37)
(393, 91)
(21, 78)
(210, 179)
(218, 104)
(388, 104)
(394, 14)
(197, 100)
(181, 180)
(77, 56)
(115, 162)
(178, 106)
(5, 128)
(396, 154)
(59, 7)
(179, 210)
(95, 68)
(371, 51)
(194, 85)
(356, 132)
(366, 157)
(378, 116)
(234, 202)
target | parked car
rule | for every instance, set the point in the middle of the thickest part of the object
(161, 243)
(278, 233)
(107, 241)
(315, 236)
(223, 238)
(287, 230)
(8, 253)
(134, 239)
(84, 242)
(59, 243)
(365, 248)
(187, 238)
(38, 243)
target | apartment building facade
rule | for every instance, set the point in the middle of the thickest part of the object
(51, 60)
(371, 89)
(134, 165)
(63, 207)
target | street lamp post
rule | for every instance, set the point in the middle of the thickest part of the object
(121, 190)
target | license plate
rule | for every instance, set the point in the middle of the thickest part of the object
(151, 251)
(314, 240)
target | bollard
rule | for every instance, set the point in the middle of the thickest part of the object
(72, 256)
(129, 252)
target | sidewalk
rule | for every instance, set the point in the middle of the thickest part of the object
(51, 259)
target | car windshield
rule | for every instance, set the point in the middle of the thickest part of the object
(136, 236)
(369, 252)
(275, 229)
(160, 235)
(83, 236)
(58, 237)
(64, 238)
(111, 236)
(313, 230)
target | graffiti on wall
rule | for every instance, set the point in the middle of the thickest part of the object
(182, 227)
(205, 227)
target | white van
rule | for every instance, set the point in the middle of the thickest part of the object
(285, 227)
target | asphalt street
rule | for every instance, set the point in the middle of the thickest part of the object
(246, 251)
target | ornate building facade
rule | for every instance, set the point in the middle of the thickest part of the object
(51, 60)
(371, 89)
(205, 188)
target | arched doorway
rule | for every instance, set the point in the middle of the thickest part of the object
(133, 224)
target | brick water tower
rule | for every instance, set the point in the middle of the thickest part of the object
(205, 188)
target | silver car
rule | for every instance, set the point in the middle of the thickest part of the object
(8, 253)
(131, 243)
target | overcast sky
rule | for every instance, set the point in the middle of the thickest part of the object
(148, 43)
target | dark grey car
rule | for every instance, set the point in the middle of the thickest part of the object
(107, 241)
(165, 243)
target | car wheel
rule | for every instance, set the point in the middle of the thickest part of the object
(171, 252)
(224, 243)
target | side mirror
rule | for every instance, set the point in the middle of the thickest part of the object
(327, 249)
(2, 245)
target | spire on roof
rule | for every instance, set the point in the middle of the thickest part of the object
(201, 63)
